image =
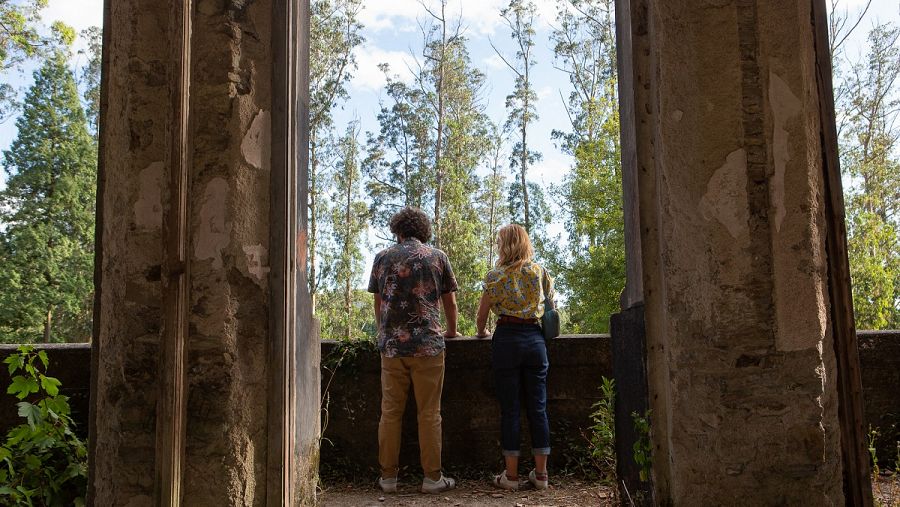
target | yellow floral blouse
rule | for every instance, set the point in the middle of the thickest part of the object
(518, 293)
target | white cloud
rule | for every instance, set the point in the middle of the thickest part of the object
(479, 16)
(369, 77)
(79, 14)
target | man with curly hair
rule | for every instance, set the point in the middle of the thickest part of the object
(410, 281)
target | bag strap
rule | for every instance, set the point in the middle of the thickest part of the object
(548, 303)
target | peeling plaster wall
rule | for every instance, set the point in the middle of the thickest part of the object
(127, 346)
(225, 461)
(228, 152)
(740, 358)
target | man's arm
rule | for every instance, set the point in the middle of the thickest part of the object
(377, 310)
(484, 308)
(450, 312)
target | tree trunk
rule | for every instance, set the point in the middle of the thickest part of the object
(313, 227)
(348, 230)
(47, 325)
(440, 131)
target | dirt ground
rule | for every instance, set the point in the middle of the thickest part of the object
(886, 490)
(565, 493)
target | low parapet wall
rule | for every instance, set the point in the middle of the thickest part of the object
(470, 413)
(471, 416)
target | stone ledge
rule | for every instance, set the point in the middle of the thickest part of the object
(470, 413)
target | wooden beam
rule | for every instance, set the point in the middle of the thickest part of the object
(857, 481)
(633, 294)
(172, 397)
(288, 33)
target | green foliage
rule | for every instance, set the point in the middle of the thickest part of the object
(90, 76)
(335, 32)
(593, 267)
(43, 462)
(868, 104)
(872, 438)
(47, 212)
(643, 447)
(602, 436)
(521, 106)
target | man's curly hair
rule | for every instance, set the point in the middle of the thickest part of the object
(411, 223)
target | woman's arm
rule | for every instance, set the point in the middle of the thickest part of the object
(484, 308)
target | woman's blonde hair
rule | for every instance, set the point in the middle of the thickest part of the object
(514, 247)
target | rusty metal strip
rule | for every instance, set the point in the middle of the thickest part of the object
(857, 483)
(171, 404)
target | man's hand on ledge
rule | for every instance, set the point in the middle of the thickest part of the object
(451, 334)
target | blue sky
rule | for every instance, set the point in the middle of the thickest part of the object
(392, 36)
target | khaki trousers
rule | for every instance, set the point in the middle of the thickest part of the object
(426, 374)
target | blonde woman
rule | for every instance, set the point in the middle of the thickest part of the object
(514, 290)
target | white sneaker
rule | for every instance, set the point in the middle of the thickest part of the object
(438, 486)
(538, 484)
(502, 482)
(388, 485)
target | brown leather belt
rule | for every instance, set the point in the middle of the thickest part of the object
(509, 319)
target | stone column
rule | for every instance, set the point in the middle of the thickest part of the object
(195, 392)
(731, 198)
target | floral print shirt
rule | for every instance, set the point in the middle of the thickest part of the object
(518, 292)
(411, 278)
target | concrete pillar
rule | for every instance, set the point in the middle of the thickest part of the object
(196, 392)
(728, 162)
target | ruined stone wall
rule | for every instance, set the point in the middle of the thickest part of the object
(740, 356)
(226, 148)
(131, 194)
(225, 461)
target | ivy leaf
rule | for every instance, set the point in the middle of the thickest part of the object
(32, 462)
(22, 387)
(50, 384)
(30, 412)
(42, 355)
(14, 361)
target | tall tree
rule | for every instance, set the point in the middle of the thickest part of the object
(334, 34)
(19, 40)
(521, 103)
(47, 212)
(349, 219)
(465, 141)
(90, 75)
(431, 78)
(493, 185)
(871, 165)
(398, 162)
(593, 271)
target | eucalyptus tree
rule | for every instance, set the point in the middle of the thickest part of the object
(519, 16)
(869, 158)
(349, 222)
(593, 271)
(20, 40)
(334, 35)
(399, 156)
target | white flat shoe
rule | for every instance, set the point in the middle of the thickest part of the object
(502, 482)
(439, 486)
(539, 484)
(388, 485)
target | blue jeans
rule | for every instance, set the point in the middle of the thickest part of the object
(520, 362)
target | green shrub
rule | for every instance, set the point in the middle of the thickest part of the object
(42, 462)
(602, 437)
